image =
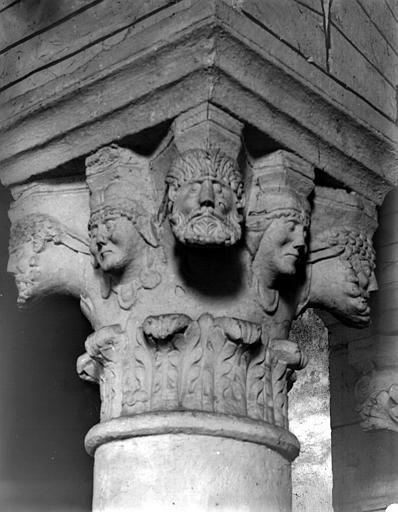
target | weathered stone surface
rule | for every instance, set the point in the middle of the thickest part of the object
(202, 244)
(250, 60)
(363, 392)
(172, 332)
(341, 261)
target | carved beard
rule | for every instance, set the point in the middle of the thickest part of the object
(206, 227)
(25, 287)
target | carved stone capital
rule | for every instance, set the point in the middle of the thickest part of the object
(191, 283)
(376, 393)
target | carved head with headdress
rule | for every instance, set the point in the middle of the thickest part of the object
(278, 214)
(205, 198)
(122, 227)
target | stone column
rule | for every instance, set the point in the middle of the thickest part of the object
(363, 363)
(364, 384)
(190, 274)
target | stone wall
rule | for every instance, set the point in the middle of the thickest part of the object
(43, 41)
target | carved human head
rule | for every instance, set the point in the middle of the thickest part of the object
(277, 235)
(205, 198)
(121, 223)
(32, 260)
(277, 218)
(341, 257)
(342, 274)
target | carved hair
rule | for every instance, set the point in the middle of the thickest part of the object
(199, 163)
(261, 221)
(40, 229)
(348, 244)
(133, 211)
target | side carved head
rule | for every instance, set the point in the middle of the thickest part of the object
(205, 198)
(277, 237)
(277, 221)
(342, 274)
(341, 260)
(121, 225)
(36, 258)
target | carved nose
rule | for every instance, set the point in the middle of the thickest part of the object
(101, 236)
(373, 286)
(299, 239)
(206, 197)
(11, 266)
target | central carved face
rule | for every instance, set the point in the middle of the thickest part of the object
(281, 248)
(205, 212)
(113, 243)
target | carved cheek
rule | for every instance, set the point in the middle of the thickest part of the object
(225, 201)
(23, 263)
(93, 243)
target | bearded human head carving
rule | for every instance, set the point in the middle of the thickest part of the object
(205, 198)
(43, 257)
(341, 258)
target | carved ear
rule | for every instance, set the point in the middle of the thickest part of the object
(75, 243)
(171, 192)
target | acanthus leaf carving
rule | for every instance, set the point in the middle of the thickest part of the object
(107, 347)
(286, 357)
(377, 396)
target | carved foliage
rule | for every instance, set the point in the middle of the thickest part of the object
(286, 357)
(181, 363)
(220, 364)
(107, 348)
(377, 396)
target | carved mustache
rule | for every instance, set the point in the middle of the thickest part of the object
(206, 211)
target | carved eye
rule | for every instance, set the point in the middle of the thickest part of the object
(195, 187)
